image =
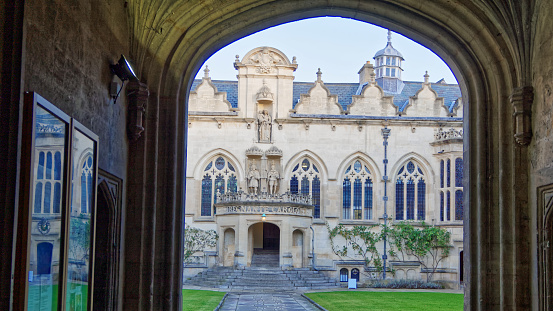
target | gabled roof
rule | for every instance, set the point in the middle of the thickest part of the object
(230, 87)
(345, 91)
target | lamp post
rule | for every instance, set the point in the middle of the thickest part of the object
(385, 135)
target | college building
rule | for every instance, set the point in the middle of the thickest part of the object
(304, 154)
(109, 147)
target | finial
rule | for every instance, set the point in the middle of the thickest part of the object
(389, 36)
(319, 74)
(206, 72)
(294, 61)
(426, 76)
(237, 60)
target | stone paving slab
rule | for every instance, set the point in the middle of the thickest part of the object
(266, 301)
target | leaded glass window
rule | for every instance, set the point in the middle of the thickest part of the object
(442, 167)
(421, 200)
(458, 172)
(441, 206)
(346, 200)
(357, 198)
(459, 205)
(220, 177)
(448, 170)
(448, 204)
(368, 199)
(410, 192)
(316, 197)
(306, 180)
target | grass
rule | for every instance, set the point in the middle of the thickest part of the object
(384, 301)
(199, 300)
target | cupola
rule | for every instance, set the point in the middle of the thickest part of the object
(388, 67)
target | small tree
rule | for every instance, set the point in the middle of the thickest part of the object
(197, 240)
(429, 244)
(361, 240)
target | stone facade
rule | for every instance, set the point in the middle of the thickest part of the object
(500, 51)
(273, 124)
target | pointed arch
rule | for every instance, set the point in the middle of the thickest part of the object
(411, 189)
(425, 165)
(373, 166)
(308, 154)
(209, 156)
(305, 175)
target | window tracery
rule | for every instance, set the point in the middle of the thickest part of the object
(357, 201)
(219, 176)
(306, 180)
(410, 192)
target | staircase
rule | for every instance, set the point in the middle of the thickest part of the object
(262, 279)
(265, 258)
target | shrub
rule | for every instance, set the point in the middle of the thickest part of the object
(410, 284)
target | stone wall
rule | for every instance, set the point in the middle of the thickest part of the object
(69, 47)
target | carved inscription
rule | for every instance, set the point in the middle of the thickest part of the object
(283, 210)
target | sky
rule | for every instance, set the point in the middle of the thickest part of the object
(339, 46)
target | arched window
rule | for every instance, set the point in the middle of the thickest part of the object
(306, 180)
(355, 274)
(344, 275)
(86, 186)
(357, 192)
(219, 176)
(410, 192)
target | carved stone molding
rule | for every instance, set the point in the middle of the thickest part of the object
(522, 99)
(219, 122)
(137, 96)
(273, 152)
(254, 151)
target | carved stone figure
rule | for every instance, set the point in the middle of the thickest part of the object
(273, 178)
(253, 179)
(265, 123)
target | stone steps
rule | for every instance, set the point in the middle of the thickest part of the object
(262, 279)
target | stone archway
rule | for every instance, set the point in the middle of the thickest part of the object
(486, 54)
(106, 271)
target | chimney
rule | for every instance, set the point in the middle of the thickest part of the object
(365, 73)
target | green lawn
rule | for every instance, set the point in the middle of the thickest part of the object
(384, 301)
(197, 300)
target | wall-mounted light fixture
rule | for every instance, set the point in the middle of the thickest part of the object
(263, 217)
(124, 71)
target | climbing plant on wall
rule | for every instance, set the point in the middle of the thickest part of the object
(429, 245)
(198, 240)
(360, 240)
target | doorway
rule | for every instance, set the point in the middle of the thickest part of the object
(271, 237)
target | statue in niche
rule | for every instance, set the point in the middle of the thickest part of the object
(264, 122)
(273, 177)
(253, 179)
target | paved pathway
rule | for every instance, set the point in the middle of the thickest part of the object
(266, 301)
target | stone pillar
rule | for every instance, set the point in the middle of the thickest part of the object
(241, 255)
